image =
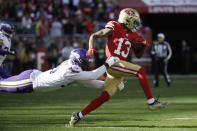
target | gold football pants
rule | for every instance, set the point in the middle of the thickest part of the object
(116, 73)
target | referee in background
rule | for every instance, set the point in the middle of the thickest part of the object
(161, 52)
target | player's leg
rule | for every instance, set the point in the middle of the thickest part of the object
(17, 84)
(156, 74)
(4, 74)
(110, 88)
(123, 68)
(165, 73)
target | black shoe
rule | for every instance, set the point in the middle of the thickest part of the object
(168, 83)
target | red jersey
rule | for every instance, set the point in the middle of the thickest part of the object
(119, 44)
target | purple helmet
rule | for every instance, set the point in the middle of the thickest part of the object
(79, 55)
(7, 28)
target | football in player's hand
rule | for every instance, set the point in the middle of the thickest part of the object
(138, 43)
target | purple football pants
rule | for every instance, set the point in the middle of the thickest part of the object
(17, 84)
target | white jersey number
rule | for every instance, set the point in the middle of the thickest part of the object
(121, 42)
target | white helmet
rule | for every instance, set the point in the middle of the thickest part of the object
(130, 18)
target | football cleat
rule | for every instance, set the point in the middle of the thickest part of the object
(157, 105)
(74, 119)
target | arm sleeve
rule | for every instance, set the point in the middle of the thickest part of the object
(169, 51)
(88, 75)
(93, 84)
(112, 25)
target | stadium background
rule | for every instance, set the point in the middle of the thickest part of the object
(127, 110)
(47, 30)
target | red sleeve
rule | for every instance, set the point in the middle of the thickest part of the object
(112, 25)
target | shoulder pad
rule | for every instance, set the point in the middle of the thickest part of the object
(111, 24)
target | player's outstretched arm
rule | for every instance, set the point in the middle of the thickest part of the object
(99, 34)
(92, 75)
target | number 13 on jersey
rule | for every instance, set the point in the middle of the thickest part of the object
(119, 50)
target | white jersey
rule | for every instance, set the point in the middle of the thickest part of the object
(64, 74)
(6, 46)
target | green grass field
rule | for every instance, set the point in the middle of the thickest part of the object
(126, 111)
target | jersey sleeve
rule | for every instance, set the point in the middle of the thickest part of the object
(87, 75)
(112, 25)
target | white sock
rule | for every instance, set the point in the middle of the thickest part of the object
(150, 101)
(80, 115)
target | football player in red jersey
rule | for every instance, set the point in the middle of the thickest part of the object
(120, 36)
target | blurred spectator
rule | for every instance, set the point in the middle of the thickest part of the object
(79, 13)
(41, 28)
(80, 26)
(41, 13)
(20, 7)
(66, 12)
(100, 12)
(58, 43)
(52, 56)
(185, 57)
(31, 55)
(89, 26)
(26, 23)
(68, 27)
(56, 28)
(65, 52)
(112, 14)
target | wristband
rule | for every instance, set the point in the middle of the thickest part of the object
(106, 65)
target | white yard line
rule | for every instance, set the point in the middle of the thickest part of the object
(181, 118)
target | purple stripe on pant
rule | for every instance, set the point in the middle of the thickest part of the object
(20, 88)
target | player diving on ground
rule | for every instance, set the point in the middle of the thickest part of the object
(68, 72)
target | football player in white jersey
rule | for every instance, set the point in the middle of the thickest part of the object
(68, 72)
(6, 33)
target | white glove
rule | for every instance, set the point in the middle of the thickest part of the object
(121, 86)
(112, 60)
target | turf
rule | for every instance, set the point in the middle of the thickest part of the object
(126, 111)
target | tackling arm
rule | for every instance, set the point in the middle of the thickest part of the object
(89, 75)
(92, 75)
